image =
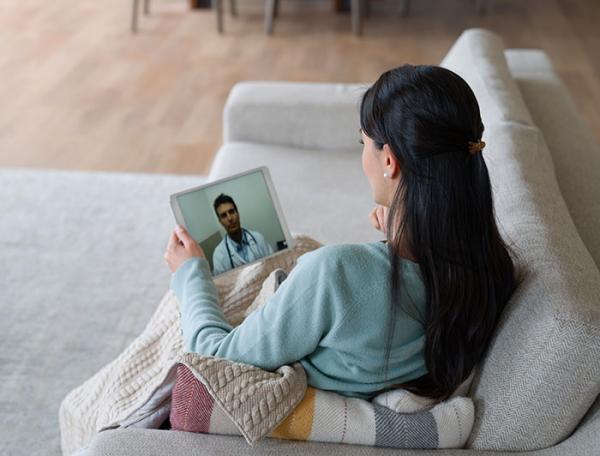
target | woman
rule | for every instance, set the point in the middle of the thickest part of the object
(416, 311)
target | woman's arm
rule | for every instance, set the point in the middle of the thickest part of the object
(286, 329)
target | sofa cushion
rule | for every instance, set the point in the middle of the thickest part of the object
(322, 193)
(478, 57)
(542, 370)
(574, 149)
(303, 115)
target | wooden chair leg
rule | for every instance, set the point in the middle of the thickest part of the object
(482, 7)
(404, 7)
(217, 5)
(355, 10)
(270, 7)
(134, 16)
(233, 7)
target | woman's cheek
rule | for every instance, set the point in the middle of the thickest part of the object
(364, 162)
(367, 169)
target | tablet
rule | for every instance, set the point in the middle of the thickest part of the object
(237, 220)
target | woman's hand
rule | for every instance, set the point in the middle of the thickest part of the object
(181, 247)
(378, 217)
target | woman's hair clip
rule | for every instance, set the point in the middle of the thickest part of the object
(476, 147)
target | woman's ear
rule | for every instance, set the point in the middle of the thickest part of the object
(390, 162)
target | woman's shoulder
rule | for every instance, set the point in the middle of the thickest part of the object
(364, 258)
(347, 254)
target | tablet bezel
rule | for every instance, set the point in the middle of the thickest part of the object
(290, 241)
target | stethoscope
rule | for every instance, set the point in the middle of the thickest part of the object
(244, 231)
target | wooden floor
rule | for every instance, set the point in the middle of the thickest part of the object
(79, 91)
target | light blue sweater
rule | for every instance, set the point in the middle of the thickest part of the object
(331, 314)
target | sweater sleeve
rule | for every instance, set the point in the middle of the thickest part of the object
(286, 329)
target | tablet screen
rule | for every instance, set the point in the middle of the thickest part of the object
(235, 220)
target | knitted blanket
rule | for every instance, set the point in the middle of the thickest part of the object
(396, 419)
(223, 397)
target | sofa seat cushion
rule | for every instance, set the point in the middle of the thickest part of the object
(574, 149)
(323, 194)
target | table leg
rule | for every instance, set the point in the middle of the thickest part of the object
(270, 8)
(134, 17)
(404, 7)
(355, 9)
(482, 6)
(217, 5)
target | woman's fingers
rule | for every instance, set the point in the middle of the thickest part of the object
(374, 219)
(173, 241)
(378, 217)
(181, 247)
(169, 251)
(190, 245)
(382, 215)
(184, 236)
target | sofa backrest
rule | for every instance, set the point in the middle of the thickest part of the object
(555, 113)
(542, 370)
(478, 56)
(312, 116)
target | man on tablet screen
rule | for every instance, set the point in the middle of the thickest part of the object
(240, 246)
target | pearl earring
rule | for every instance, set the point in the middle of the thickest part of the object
(386, 175)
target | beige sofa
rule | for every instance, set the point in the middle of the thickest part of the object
(82, 270)
(538, 386)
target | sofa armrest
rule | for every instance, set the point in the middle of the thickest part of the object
(306, 115)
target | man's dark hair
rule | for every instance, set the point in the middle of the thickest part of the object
(222, 199)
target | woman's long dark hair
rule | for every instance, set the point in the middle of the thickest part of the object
(442, 213)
